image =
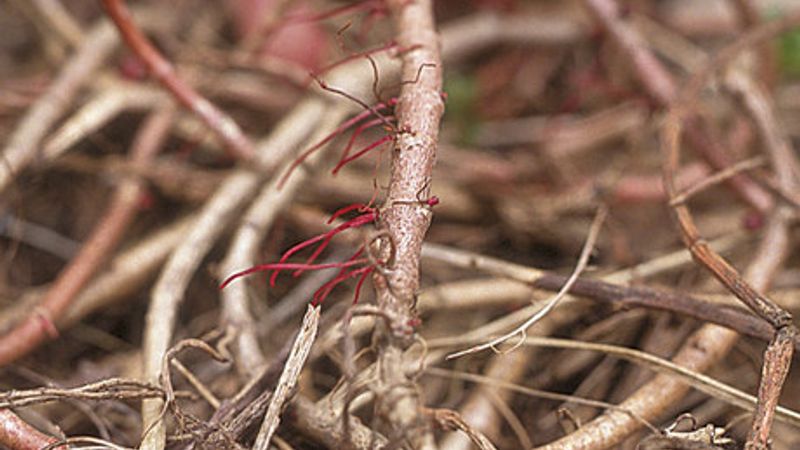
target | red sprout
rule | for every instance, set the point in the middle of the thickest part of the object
(325, 238)
(357, 290)
(370, 110)
(322, 293)
(347, 269)
(362, 152)
(369, 215)
(360, 207)
(356, 133)
(326, 289)
(352, 223)
(323, 85)
(289, 266)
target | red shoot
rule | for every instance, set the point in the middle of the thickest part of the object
(362, 152)
(347, 268)
(289, 266)
(363, 219)
(360, 207)
(356, 133)
(322, 293)
(362, 54)
(360, 283)
(339, 130)
(327, 237)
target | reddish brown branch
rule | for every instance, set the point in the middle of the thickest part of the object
(225, 127)
(658, 83)
(778, 356)
(16, 434)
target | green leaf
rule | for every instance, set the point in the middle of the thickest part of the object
(790, 53)
(462, 95)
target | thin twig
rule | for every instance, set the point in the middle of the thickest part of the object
(112, 388)
(198, 385)
(474, 378)
(529, 276)
(662, 89)
(99, 443)
(710, 343)
(452, 420)
(98, 111)
(716, 178)
(220, 209)
(778, 355)
(583, 260)
(38, 236)
(480, 409)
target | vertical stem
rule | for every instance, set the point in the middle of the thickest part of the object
(405, 217)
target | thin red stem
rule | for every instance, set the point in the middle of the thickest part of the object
(339, 130)
(356, 133)
(288, 266)
(360, 283)
(362, 152)
(326, 238)
(321, 295)
(352, 223)
(341, 211)
(325, 290)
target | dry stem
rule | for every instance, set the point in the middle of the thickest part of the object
(108, 232)
(23, 143)
(521, 329)
(709, 344)
(288, 380)
(179, 269)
